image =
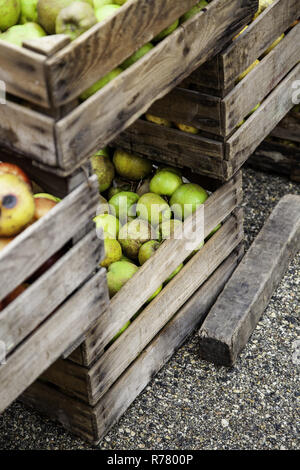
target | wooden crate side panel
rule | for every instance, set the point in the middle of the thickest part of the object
(244, 142)
(93, 423)
(257, 38)
(261, 81)
(35, 245)
(115, 402)
(104, 115)
(131, 343)
(47, 344)
(190, 107)
(23, 73)
(33, 306)
(27, 131)
(108, 44)
(174, 251)
(180, 149)
(208, 76)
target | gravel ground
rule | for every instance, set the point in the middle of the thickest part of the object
(194, 405)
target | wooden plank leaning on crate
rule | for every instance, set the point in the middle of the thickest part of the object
(99, 119)
(174, 251)
(221, 116)
(207, 155)
(93, 423)
(52, 76)
(234, 316)
(219, 76)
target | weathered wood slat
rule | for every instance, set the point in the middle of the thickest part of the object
(47, 45)
(125, 303)
(248, 137)
(289, 127)
(247, 48)
(260, 81)
(104, 115)
(31, 248)
(25, 130)
(108, 44)
(23, 73)
(40, 350)
(39, 300)
(233, 318)
(93, 423)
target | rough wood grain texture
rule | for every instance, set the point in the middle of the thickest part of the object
(23, 73)
(108, 44)
(260, 81)
(131, 343)
(45, 345)
(125, 303)
(190, 107)
(104, 115)
(31, 248)
(233, 318)
(289, 127)
(47, 45)
(248, 137)
(248, 47)
(32, 307)
(27, 131)
(93, 423)
(178, 148)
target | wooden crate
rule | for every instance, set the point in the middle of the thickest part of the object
(280, 153)
(59, 306)
(89, 387)
(62, 138)
(222, 144)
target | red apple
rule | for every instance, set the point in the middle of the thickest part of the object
(6, 167)
(43, 206)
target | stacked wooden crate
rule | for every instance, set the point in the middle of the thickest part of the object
(50, 134)
(280, 152)
(219, 105)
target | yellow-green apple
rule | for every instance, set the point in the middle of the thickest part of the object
(165, 183)
(113, 252)
(47, 196)
(118, 274)
(75, 19)
(147, 250)
(29, 12)
(9, 13)
(105, 11)
(22, 32)
(158, 120)
(153, 208)
(104, 169)
(109, 224)
(133, 235)
(131, 166)
(48, 11)
(185, 128)
(186, 199)
(123, 204)
(16, 205)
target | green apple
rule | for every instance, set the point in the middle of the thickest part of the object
(104, 169)
(137, 55)
(165, 32)
(20, 33)
(120, 332)
(10, 12)
(100, 3)
(113, 252)
(106, 11)
(118, 274)
(48, 11)
(109, 224)
(131, 166)
(120, 2)
(169, 227)
(133, 235)
(47, 196)
(147, 250)
(165, 183)
(100, 84)
(186, 199)
(153, 208)
(170, 168)
(28, 11)
(194, 10)
(123, 203)
(118, 186)
(173, 274)
(155, 294)
(75, 19)
(213, 232)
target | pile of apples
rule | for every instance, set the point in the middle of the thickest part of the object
(142, 205)
(19, 208)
